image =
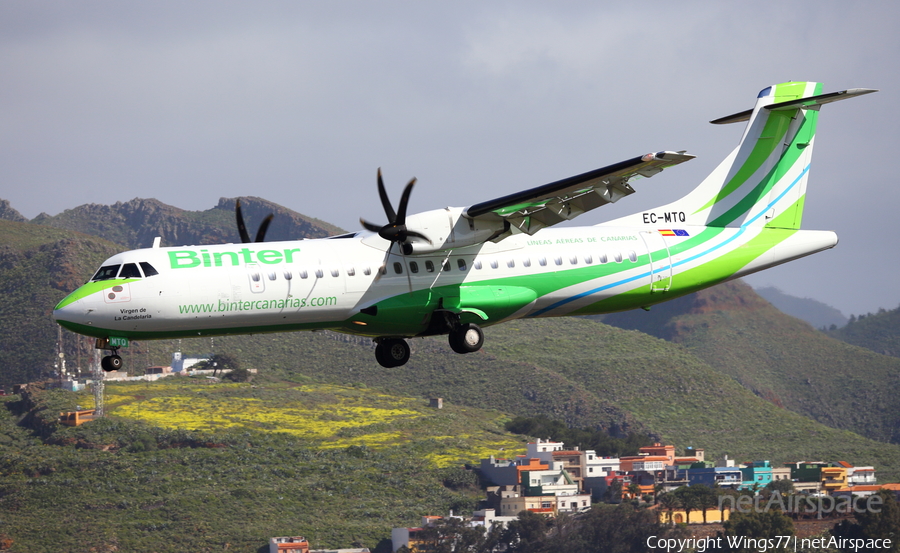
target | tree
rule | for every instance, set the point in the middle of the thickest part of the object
(222, 362)
(688, 499)
(669, 502)
(781, 486)
(614, 491)
(634, 490)
(706, 498)
(768, 524)
(885, 523)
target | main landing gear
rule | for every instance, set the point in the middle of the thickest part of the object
(391, 352)
(394, 352)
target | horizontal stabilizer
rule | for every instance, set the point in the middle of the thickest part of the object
(807, 103)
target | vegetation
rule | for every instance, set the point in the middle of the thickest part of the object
(879, 332)
(780, 359)
(340, 466)
(583, 438)
(605, 528)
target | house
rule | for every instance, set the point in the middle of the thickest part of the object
(834, 478)
(412, 537)
(723, 477)
(506, 472)
(572, 462)
(291, 544)
(756, 475)
(543, 449)
(680, 516)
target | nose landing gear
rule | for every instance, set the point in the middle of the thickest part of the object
(110, 362)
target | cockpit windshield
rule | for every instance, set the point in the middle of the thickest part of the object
(107, 272)
(128, 270)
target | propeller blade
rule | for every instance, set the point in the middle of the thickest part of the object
(261, 233)
(369, 226)
(385, 201)
(404, 200)
(242, 228)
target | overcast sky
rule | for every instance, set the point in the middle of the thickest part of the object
(300, 103)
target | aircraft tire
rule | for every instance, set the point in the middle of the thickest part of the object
(111, 363)
(393, 352)
(467, 338)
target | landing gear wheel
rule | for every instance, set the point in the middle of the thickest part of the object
(392, 352)
(111, 363)
(467, 338)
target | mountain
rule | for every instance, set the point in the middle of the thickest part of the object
(780, 358)
(700, 393)
(38, 267)
(816, 313)
(134, 224)
(43, 260)
(7, 212)
(583, 372)
(879, 332)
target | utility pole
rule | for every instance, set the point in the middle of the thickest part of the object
(97, 374)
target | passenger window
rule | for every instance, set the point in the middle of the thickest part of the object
(272, 275)
(632, 256)
(526, 262)
(149, 271)
(398, 268)
(254, 277)
(461, 263)
(573, 260)
(319, 273)
(477, 264)
(558, 260)
(542, 261)
(367, 271)
(618, 257)
(335, 272)
(511, 263)
(494, 264)
(413, 267)
(447, 265)
(303, 273)
(588, 259)
(107, 273)
(351, 271)
(429, 266)
(129, 270)
(288, 275)
(602, 258)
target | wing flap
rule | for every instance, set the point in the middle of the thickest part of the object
(563, 200)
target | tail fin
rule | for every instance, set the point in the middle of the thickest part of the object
(763, 181)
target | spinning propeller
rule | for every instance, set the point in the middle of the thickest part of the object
(395, 230)
(242, 228)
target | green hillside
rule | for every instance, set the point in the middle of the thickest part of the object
(779, 358)
(38, 266)
(228, 466)
(879, 332)
(586, 373)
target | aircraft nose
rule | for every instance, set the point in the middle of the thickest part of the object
(72, 309)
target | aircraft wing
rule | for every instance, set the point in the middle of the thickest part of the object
(534, 209)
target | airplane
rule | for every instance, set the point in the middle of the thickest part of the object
(455, 270)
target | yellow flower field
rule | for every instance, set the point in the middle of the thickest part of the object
(330, 416)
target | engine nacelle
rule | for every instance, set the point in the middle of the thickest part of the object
(447, 228)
